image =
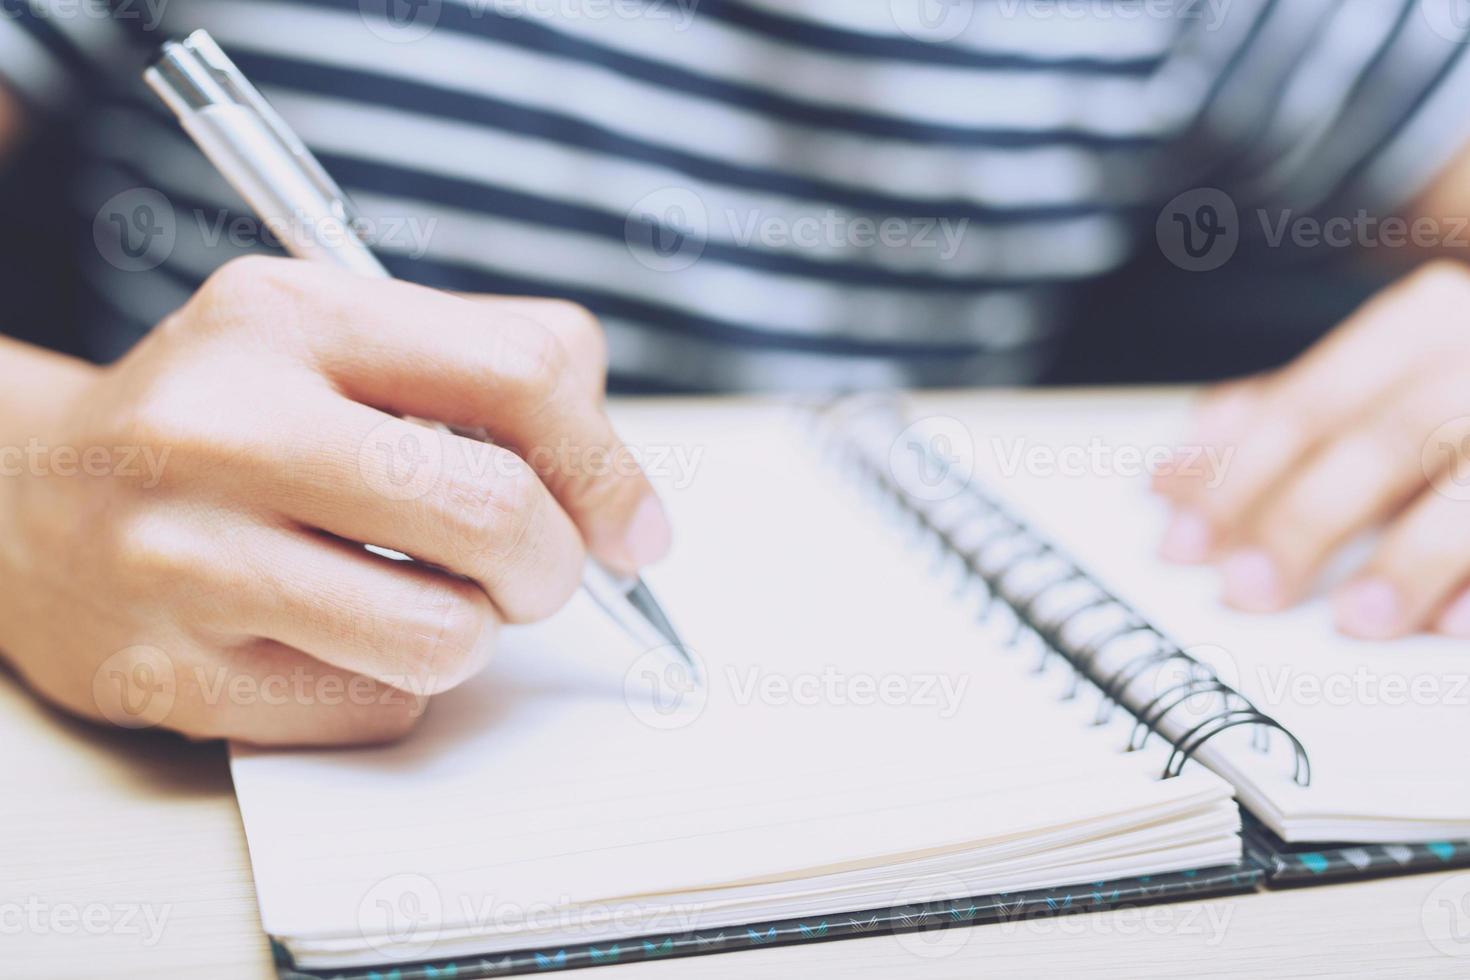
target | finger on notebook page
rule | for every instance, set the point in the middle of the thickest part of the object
(1455, 619)
(1311, 399)
(406, 625)
(418, 352)
(272, 695)
(1219, 415)
(1356, 480)
(474, 509)
(1418, 568)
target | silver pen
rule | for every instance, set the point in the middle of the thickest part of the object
(268, 165)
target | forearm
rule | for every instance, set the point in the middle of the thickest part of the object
(37, 387)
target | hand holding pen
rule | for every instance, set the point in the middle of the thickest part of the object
(272, 169)
(197, 564)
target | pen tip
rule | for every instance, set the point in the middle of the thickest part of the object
(695, 677)
(642, 599)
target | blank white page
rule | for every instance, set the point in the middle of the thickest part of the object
(853, 716)
(1387, 725)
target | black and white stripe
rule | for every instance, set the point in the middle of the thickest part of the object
(532, 142)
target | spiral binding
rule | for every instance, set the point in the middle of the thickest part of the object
(1004, 548)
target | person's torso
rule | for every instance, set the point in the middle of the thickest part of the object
(748, 194)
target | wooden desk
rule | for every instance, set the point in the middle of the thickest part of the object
(99, 830)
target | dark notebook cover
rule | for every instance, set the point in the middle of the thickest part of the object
(1269, 862)
(1307, 864)
(914, 918)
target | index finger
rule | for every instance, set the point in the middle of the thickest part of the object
(1323, 392)
(415, 351)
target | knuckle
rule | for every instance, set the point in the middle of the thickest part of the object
(490, 515)
(469, 511)
(1301, 519)
(600, 486)
(445, 634)
(250, 289)
(533, 368)
(582, 328)
(1432, 296)
(156, 555)
(248, 274)
(176, 327)
(1442, 277)
(554, 582)
(512, 541)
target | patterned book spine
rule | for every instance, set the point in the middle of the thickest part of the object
(1289, 865)
(1015, 908)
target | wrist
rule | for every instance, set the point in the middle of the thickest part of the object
(38, 389)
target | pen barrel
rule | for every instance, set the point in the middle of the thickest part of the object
(303, 208)
(308, 223)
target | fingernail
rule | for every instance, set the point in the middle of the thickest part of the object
(1370, 610)
(1187, 539)
(1455, 620)
(1253, 582)
(649, 534)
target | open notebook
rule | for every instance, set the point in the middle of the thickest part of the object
(1386, 726)
(863, 740)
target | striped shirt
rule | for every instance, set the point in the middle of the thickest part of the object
(754, 193)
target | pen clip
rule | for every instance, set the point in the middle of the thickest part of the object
(233, 85)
